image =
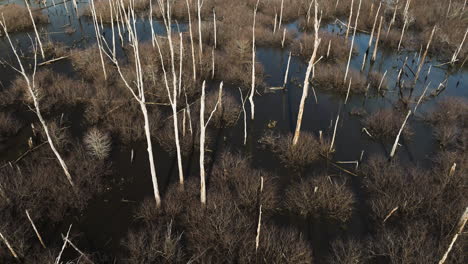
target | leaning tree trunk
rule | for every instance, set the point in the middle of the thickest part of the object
(33, 92)
(306, 80)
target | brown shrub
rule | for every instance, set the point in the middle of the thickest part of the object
(103, 9)
(227, 112)
(391, 185)
(320, 196)
(385, 124)
(347, 252)
(39, 184)
(9, 125)
(126, 122)
(52, 90)
(265, 37)
(211, 233)
(233, 176)
(278, 245)
(390, 41)
(307, 150)
(17, 17)
(449, 121)
(413, 243)
(331, 76)
(87, 62)
(188, 142)
(375, 78)
(159, 243)
(339, 50)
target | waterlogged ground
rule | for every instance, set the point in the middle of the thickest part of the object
(104, 223)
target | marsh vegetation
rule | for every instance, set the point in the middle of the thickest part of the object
(250, 131)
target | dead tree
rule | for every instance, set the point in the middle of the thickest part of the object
(138, 92)
(252, 91)
(310, 69)
(35, 29)
(352, 41)
(166, 12)
(34, 93)
(203, 126)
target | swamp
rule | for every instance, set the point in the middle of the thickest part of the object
(241, 131)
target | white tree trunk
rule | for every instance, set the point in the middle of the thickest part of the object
(35, 29)
(203, 126)
(259, 225)
(287, 71)
(194, 68)
(352, 41)
(392, 153)
(10, 248)
(421, 63)
(374, 55)
(33, 93)
(35, 230)
(252, 91)
(306, 80)
(460, 227)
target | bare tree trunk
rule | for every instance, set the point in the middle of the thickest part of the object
(393, 17)
(10, 248)
(98, 38)
(349, 20)
(245, 115)
(35, 230)
(310, 68)
(287, 71)
(191, 42)
(200, 42)
(259, 225)
(352, 41)
(457, 51)
(57, 260)
(33, 92)
(252, 91)
(214, 28)
(421, 63)
(334, 134)
(421, 97)
(35, 29)
(460, 227)
(349, 88)
(374, 55)
(281, 14)
(139, 94)
(203, 126)
(392, 153)
(373, 27)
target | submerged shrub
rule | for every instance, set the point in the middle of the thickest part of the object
(159, 243)
(228, 110)
(52, 90)
(98, 143)
(449, 121)
(233, 176)
(391, 185)
(307, 150)
(278, 245)
(17, 17)
(330, 77)
(338, 52)
(320, 196)
(385, 124)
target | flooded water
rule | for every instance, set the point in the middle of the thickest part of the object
(105, 221)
